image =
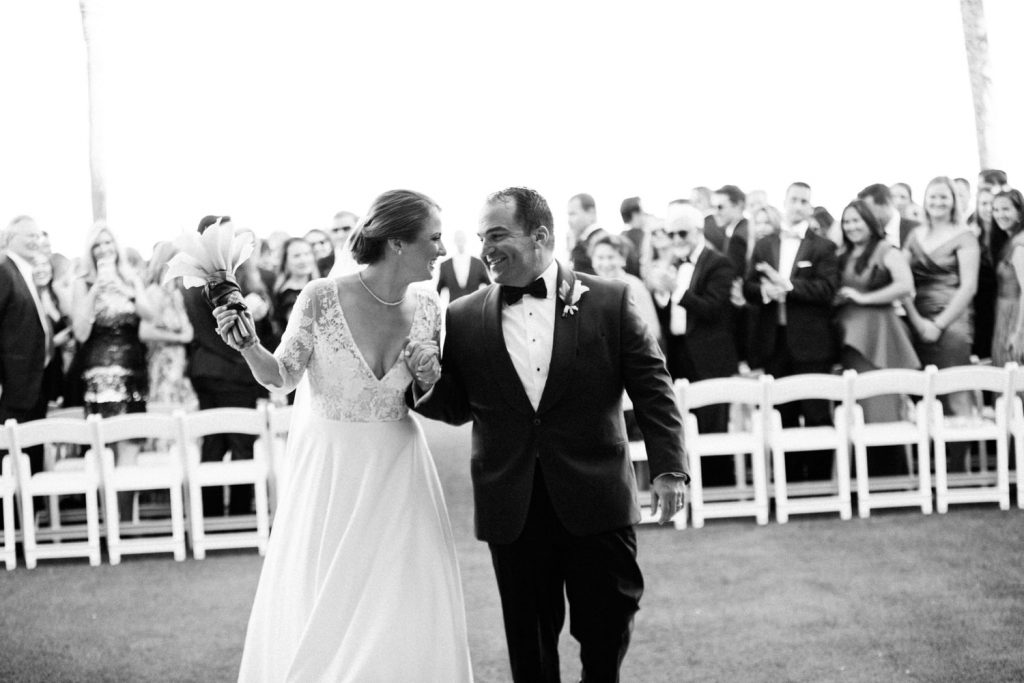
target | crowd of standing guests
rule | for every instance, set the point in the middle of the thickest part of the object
(726, 282)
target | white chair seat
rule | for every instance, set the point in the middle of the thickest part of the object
(808, 438)
(60, 483)
(143, 477)
(888, 433)
(954, 429)
(231, 472)
(637, 451)
(725, 443)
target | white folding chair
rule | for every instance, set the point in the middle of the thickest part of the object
(241, 531)
(915, 488)
(809, 497)
(153, 470)
(8, 489)
(1016, 424)
(279, 420)
(725, 501)
(76, 478)
(972, 487)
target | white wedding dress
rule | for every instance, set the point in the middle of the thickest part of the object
(360, 581)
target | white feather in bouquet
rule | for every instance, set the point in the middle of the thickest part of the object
(208, 256)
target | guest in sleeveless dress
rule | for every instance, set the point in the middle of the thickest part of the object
(167, 336)
(874, 276)
(1008, 337)
(944, 256)
(991, 240)
(353, 590)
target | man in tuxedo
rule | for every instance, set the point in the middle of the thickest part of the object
(585, 232)
(633, 230)
(463, 273)
(222, 379)
(792, 279)
(26, 332)
(695, 310)
(538, 362)
(879, 198)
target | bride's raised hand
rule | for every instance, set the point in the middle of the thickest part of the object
(236, 328)
(422, 359)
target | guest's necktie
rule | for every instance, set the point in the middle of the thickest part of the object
(512, 295)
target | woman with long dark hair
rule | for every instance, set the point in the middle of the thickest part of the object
(1008, 335)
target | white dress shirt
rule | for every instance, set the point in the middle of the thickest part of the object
(892, 229)
(529, 329)
(677, 314)
(789, 244)
(460, 264)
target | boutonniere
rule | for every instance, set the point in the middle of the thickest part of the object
(571, 299)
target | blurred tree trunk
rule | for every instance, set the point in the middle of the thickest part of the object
(972, 13)
(94, 77)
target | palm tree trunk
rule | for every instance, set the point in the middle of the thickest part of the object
(99, 188)
(972, 13)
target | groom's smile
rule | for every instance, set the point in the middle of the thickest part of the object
(513, 256)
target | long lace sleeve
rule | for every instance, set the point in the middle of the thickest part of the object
(296, 346)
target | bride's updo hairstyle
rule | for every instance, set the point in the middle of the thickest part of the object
(395, 215)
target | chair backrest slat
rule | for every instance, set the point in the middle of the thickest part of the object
(137, 426)
(249, 421)
(711, 392)
(54, 430)
(972, 378)
(279, 419)
(890, 381)
(807, 386)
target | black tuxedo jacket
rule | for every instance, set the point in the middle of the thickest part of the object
(906, 227)
(815, 279)
(709, 337)
(477, 276)
(22, 341)
(209, 356)
(735, 247)
(577, 435)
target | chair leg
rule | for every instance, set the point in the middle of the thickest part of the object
(1018, 452)
(28, 530)
(758, 466)
(1003, 473)
(843, 476)
(924, 477)
(92, 521)
(696, 492)
(178, 522)
(195, 496)
(262, 516)
(112, 515)
(10, 559)
(779, 470)
(860, 454)
(941, 484)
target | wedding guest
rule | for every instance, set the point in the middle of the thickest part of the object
(584, 230)
(728, 232)
(609, 259)
(297, 269)
(963, 194)
(342, 226)
(109, 301)
(462, 273)
(874, 276)
(323, 250)
(700, 198)
(633, 230)
(270, 251)
(695, 316)
(993, 180)
(221, 379)
(756, 200)
(902, 198)
(944, 256)
(886, 211)
(167, 335)
(59, 321)
(790, 286)
(821, 223)
(26, 339)
(991, 240)
(1008, 337)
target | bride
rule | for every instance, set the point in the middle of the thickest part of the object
(360, 581)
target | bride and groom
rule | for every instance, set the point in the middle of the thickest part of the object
(360, 581)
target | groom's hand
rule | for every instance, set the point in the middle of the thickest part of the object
(422, 359)
(667, 492)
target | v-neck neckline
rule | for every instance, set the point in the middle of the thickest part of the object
(359, 351)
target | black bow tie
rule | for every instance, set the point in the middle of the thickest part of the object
(512, 295)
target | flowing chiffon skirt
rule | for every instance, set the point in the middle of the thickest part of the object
(360, 581)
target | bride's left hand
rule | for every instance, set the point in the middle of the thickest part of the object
(421, 357)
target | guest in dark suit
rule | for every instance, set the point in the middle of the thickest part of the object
(539, 362)
(633, 230)
(896, 227)
(791, 282)
(463, 273)
(729, 233)
(222, 379)
(585, 232)
(26, 335)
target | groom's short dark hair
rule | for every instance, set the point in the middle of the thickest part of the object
(531, 211)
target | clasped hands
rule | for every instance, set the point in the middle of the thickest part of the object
(774, 288)
(423, 360)
(236, 328)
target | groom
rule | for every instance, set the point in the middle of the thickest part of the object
(538, 361)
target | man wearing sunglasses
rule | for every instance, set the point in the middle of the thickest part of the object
(342, 227)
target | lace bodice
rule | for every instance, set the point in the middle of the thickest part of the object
(342, 386)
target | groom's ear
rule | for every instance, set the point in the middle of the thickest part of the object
(541, 235)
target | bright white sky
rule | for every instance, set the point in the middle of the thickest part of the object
(282, 113)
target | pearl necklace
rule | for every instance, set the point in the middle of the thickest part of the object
(379, 300)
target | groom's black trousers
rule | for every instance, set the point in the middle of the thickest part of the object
(600, 576)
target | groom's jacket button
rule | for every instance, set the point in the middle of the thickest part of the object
(536, 422)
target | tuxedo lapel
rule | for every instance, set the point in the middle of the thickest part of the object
(699, 267)
(503, 372)
(773, 251)
(563, 346)
(801, 253)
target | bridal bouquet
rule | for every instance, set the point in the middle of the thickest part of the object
(209, 260)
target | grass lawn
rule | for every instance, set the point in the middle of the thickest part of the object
(900, 596)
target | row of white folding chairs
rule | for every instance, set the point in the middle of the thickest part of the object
(764, 439)
(175, 468)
